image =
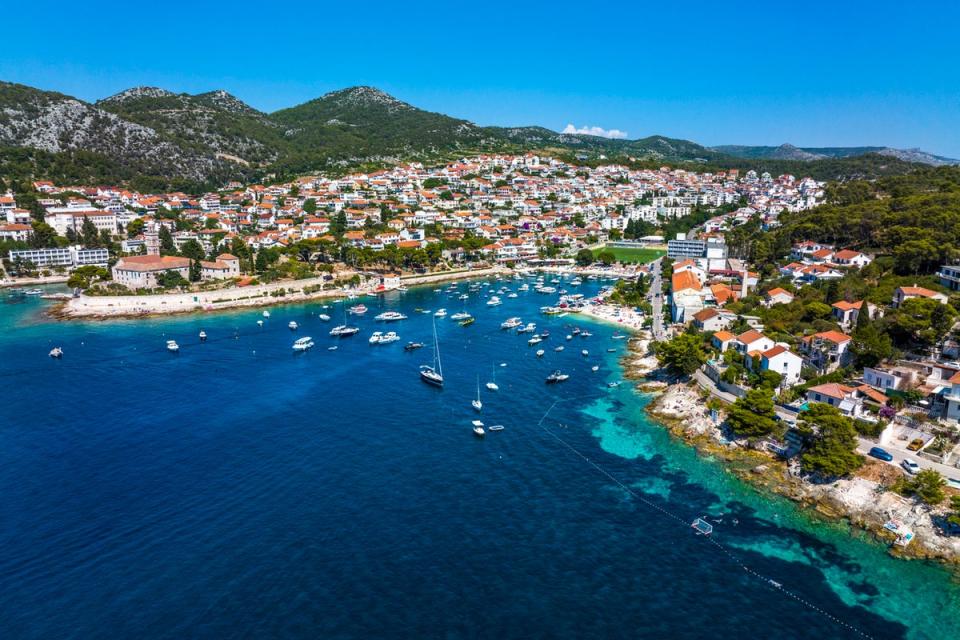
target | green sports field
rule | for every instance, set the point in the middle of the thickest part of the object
(632, 255)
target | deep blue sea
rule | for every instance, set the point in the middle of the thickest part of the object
(236, 490)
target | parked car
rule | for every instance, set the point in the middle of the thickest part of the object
(880, 454)
(910, 466)
(915, 444)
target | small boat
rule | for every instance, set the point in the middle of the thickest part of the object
(613, 384)
(433, 374)
(464, 296)
(534, 340)
(259, 323)
(33, 292)
(343, 331)
(56, 352)
(585, 334)
(476, 403)
(569, 337)
(390, 316)
(388, 337)
(478, 428)
(557, 376)
(412, 346)
(293, 325)
(560, 348)
(333, 348)
(324, 317)
(203, 336)
(358, 309)
(618, 336)
(460, 315)
(595, 368)
(585, 352)
(540, 353)
(510, 323)
(440, 313)
(302, 344)
(496, 427)
(611, 350)
(509, 295)
(266, 314)
(375, 338)
(466, 322)
(173, 346)
(545, 334)
(494, 301)
(576, 331)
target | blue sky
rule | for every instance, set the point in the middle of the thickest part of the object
(813, 73)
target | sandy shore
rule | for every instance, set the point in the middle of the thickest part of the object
(863, 499)
(105, 307)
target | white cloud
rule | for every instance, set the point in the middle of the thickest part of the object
(596, 131)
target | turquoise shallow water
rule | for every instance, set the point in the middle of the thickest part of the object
(238, 490)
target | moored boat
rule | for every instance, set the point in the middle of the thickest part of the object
(302, 344)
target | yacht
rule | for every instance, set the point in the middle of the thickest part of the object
(556, 376)
(56, 352)
(390, 316)
(343, 331)
(492, 385)
(324, 317)
(293, 325)
(375, 338)
(477, 404)
(203, 336)
(494, 301)
(460, 315)
(440, 313)
(529, 328)
(433, 374)
(478, 428)
(510, 323)
(358, 309)
(302, 344)
(173, 346)
(388, 337)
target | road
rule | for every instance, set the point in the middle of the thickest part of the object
(863, 445)
(655, 295)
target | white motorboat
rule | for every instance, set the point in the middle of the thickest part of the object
(478, 428)
(324, 317)
(560, 348)
(333, 348)
(293, 325)
(510, 323)
(534, 340)
(595, 368)
(358, 309)
(33, 292)
(203, 336)
(388, 337)
(343, 331)
(56, 352)
(389, 316)
(440, 313)
(433, 374)
(569, 337)
(540, 353)
(464, 296)
(302, 344)
(510, 295)
(494, 301)
(557, 376)
(585, 352)
(173, 346)
(375, 338)
(460, 315)
(476, 403)
(266, 314)
(259, 323)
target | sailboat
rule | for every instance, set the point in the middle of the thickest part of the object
(477, 404)
(433, 374)
(492, 385)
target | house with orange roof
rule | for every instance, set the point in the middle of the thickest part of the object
(826, 351)
(777, 295)
(848, 313)
(713, 319)
(722, 340)
(781, 360)
(851, 258)
(752, 341)
(902, 294)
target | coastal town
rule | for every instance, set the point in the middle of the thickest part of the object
(790, 356)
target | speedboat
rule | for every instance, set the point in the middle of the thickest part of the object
(529, 328)
(343, 331)
(510, 295)
(466, 322)
(266, 314)
(173, 346)
(390, 316)
(569, 337)
(478, 428)
(324, 317)
(510, 323)
(293, 325)
(302, 344)
(358, 309)
(464, 296)
(388, 337)
(556, 376)
(585, 352)
(534, 340)
(259, 323)
(33, 292)
(412, 346)
(56, 352)
(440, 313)
(540, 353)
(375, 338)
(333, 348)
(560, 348)
(203, 336)
(595, 368)
(545, 334)
(460, 315)
(585, 334)
(494, 301)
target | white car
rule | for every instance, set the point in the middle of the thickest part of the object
(910, 466)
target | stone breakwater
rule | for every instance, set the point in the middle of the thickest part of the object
(863, 499)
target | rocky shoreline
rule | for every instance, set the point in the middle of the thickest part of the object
(862, 500)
